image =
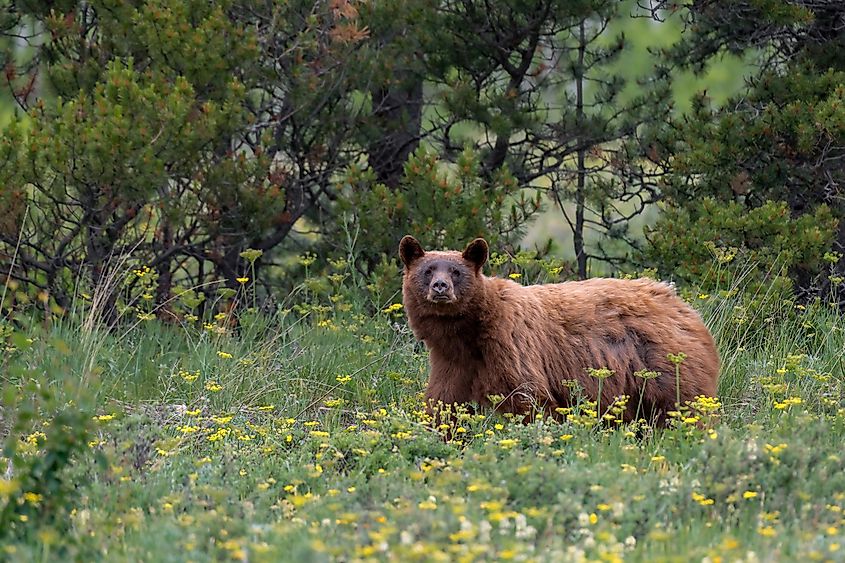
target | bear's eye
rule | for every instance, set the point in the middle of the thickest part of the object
(456, 274)
(427, 273)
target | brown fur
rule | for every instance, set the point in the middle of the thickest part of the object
(490, 336)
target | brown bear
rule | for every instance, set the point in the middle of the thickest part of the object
(489, 336)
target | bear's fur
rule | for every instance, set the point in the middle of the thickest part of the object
(491, 336)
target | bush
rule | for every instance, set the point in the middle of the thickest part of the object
(717, 245)
(444, 205)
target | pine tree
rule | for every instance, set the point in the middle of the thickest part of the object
(780, 141)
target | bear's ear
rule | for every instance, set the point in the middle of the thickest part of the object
(476, 252)
(410, 250)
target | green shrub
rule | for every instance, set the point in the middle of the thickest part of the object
(444, 205)
(724, 245)
(46, 434)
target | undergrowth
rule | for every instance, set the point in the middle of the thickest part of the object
(300, 435)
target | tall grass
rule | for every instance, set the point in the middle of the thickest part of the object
(299, 435)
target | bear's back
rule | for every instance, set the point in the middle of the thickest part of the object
(623, 325)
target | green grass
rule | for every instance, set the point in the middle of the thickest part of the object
(309, 444)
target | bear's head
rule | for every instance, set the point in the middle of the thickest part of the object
(442, 280)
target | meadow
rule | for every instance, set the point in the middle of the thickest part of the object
(301, 436)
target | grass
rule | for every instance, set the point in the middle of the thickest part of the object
(302, 438)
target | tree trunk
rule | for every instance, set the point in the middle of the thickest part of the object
(580, 187)
(397, 114)
(164, 284)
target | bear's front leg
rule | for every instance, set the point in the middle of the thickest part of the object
(447, 396)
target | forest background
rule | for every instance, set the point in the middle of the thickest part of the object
(179, 136)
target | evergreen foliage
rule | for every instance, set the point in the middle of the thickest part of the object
(183, 136)
(763, 173)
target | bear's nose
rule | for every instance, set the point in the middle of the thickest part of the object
(439, 286)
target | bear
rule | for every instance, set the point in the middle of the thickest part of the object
(533, 346)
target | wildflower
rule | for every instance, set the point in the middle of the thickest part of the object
(786, 403)
(749, 494)
(508, 443)
(189, 376)
(32, 498)
(430, 504)
(705, 404)
(701, 499)
(251, 255)
(213, 386)
(187, 429)
(104, 417)
(646, 374)
(224, 355)
(515, 276)
(676, 359)
(242, 280)
(601, 373)
(729, 544)
(832, 257)
(766, 531)
(393, 308)
(774, 450)
(771, 516)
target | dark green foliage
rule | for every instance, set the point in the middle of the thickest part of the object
(179, 135)
(724, 245)
(445, 206)
(45, 434)
(780, 142)
(132, 155)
